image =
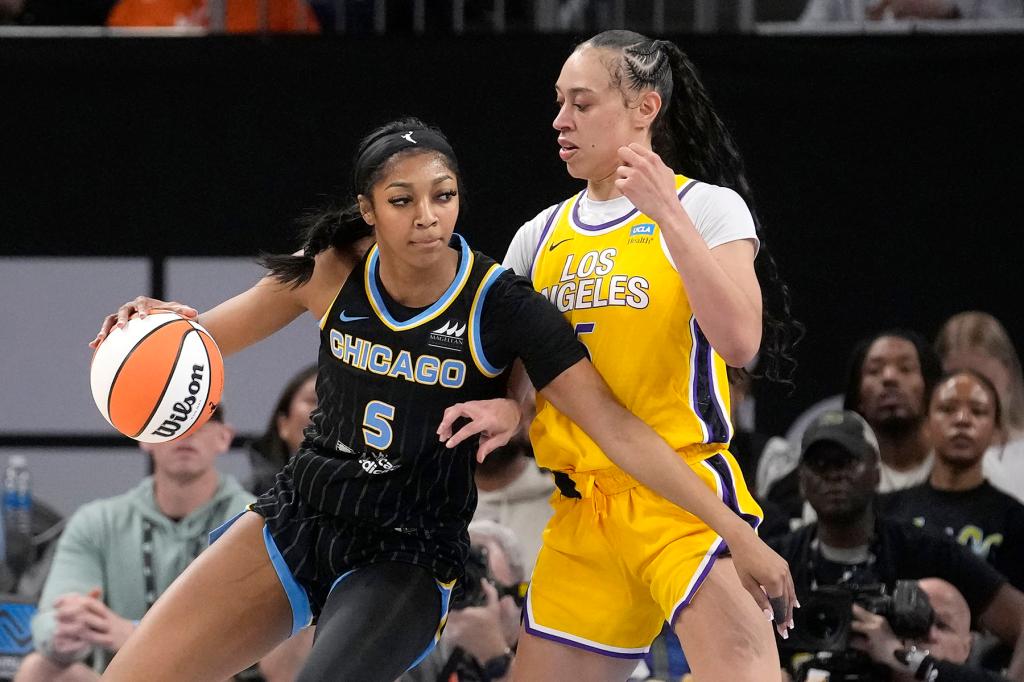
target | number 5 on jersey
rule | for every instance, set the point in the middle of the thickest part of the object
(582, 328)
(377, 424)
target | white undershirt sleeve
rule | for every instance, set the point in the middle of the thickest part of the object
(720, 215)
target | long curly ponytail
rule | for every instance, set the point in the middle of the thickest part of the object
(691, 138)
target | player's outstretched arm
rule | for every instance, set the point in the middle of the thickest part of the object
(582, 395)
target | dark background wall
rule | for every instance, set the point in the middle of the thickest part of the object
(886, 169)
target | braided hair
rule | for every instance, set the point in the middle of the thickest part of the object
(341, 228)
(691, 139)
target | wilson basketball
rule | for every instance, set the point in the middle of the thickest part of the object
(157, 378)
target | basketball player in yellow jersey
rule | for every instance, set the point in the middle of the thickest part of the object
(656, 273)
(616, 282)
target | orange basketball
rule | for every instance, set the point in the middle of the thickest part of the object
(157, 378)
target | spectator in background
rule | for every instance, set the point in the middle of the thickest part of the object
(956, 500)
(821, 11)
(940, 657)
(977, 341)
(241, 16)
(478, 644)
(839, 472)
(118, 554)
(891, 376)
(889, 379)
(514, 492)
(271, 451)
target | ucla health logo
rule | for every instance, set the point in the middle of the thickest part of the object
(449, 335)
(642, 233)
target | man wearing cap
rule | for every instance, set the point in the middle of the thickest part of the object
(849, 544)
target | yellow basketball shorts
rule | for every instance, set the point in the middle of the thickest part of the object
(622, 560)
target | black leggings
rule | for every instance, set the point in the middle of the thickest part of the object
(375, 623)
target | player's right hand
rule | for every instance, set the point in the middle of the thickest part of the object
(141, 306)
(496, 421)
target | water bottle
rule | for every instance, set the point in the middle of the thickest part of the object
(17, 497)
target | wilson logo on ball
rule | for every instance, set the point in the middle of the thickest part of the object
(180, 411)
(158, 378)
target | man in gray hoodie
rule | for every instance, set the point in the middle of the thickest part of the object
(117, 555)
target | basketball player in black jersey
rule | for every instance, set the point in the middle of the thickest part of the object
(365, 530)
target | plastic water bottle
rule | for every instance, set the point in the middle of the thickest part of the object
(17, 497)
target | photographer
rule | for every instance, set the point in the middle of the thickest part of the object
(483, 625)
(940, 656)
(849, 547)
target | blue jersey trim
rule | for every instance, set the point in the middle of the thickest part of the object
(302, 615)
(475, 342)
(446, 597)
(377, 300)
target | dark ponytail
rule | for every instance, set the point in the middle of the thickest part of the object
(341, 228)
(691, 139)
(331, 227)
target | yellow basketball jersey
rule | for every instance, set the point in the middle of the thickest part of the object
(618, 287)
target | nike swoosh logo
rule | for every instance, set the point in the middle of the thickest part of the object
(345, 318)
(557, 244)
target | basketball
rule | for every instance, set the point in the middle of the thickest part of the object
(157, 378)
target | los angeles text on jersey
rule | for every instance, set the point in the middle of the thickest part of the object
(380, 359)
(589, 284)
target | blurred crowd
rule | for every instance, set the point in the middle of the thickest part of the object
(368, 16)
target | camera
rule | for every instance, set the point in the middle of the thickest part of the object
(823, 626)
(469, 591)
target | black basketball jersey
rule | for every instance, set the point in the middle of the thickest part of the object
(386, 375)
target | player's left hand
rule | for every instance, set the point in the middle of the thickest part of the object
(646, 181)
(766, 576)
(496, 421)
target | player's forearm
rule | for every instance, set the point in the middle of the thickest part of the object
(642, 454)
(728, 310)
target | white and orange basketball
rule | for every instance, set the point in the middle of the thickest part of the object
(157, 378)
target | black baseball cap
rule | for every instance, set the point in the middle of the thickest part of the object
(844, 428)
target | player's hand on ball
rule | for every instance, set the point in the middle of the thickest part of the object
(496, 421)
(141, 306)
